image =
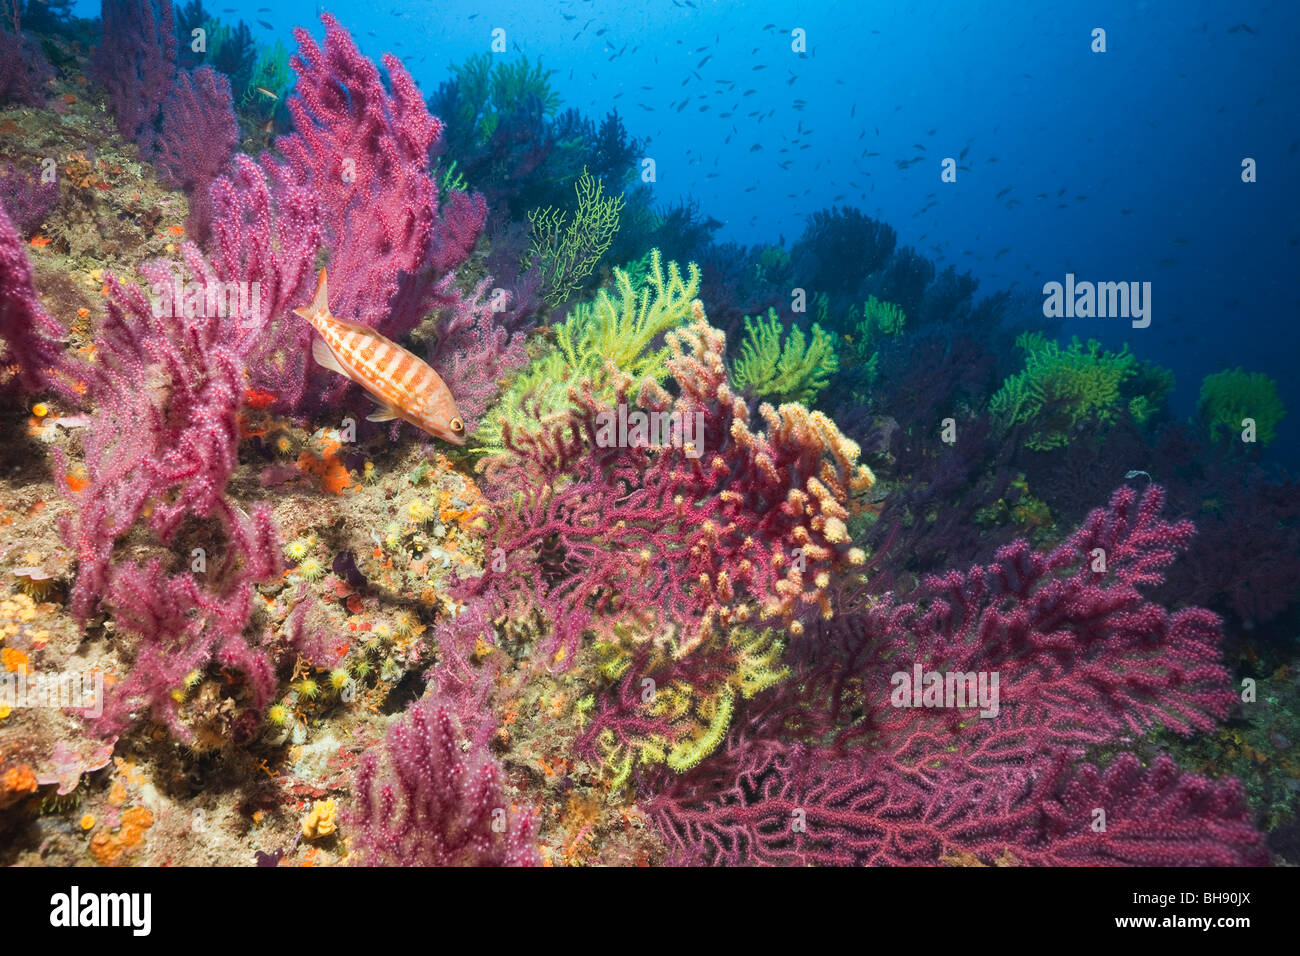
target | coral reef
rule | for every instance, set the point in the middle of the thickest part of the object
(357, 166)
(839, 594)
(712, 524)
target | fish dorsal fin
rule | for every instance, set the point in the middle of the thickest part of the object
(320, 301)
(383, 413)
(325, 358)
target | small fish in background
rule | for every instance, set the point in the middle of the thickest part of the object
(264, 25)
(403, 384)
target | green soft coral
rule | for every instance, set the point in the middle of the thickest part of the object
(1230, 397)
(880, 321)
(617, 331)
(794, 371)
(565, 249)
(1060, 390)
(487, 89)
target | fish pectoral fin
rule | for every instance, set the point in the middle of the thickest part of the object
(383, 413)
(324, 357)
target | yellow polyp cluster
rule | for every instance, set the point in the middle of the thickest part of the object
(298, 549)
(322, 821)
(34, 583)
(673, 702)
(311, 569)
(405, 622)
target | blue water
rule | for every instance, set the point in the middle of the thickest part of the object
(1137, 150)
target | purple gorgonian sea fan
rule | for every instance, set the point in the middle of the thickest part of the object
(135, 62)
(160, 449)
(432, 802)
(737, 524)
(831, 768)
(31, 340)
(354, 191)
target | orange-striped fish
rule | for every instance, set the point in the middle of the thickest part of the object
(404, 386)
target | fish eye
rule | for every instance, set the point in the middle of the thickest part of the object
(457, 425)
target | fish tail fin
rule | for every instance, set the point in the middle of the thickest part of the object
(320, 301)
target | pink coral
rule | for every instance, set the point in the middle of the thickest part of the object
(136, 63)
(31, 356)
(801, 805)
(197, 136)
(160, 451)
(354, 181)
(475, 350)
(436, 805)
(24, 70)
(266, 231)
(25, 198)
